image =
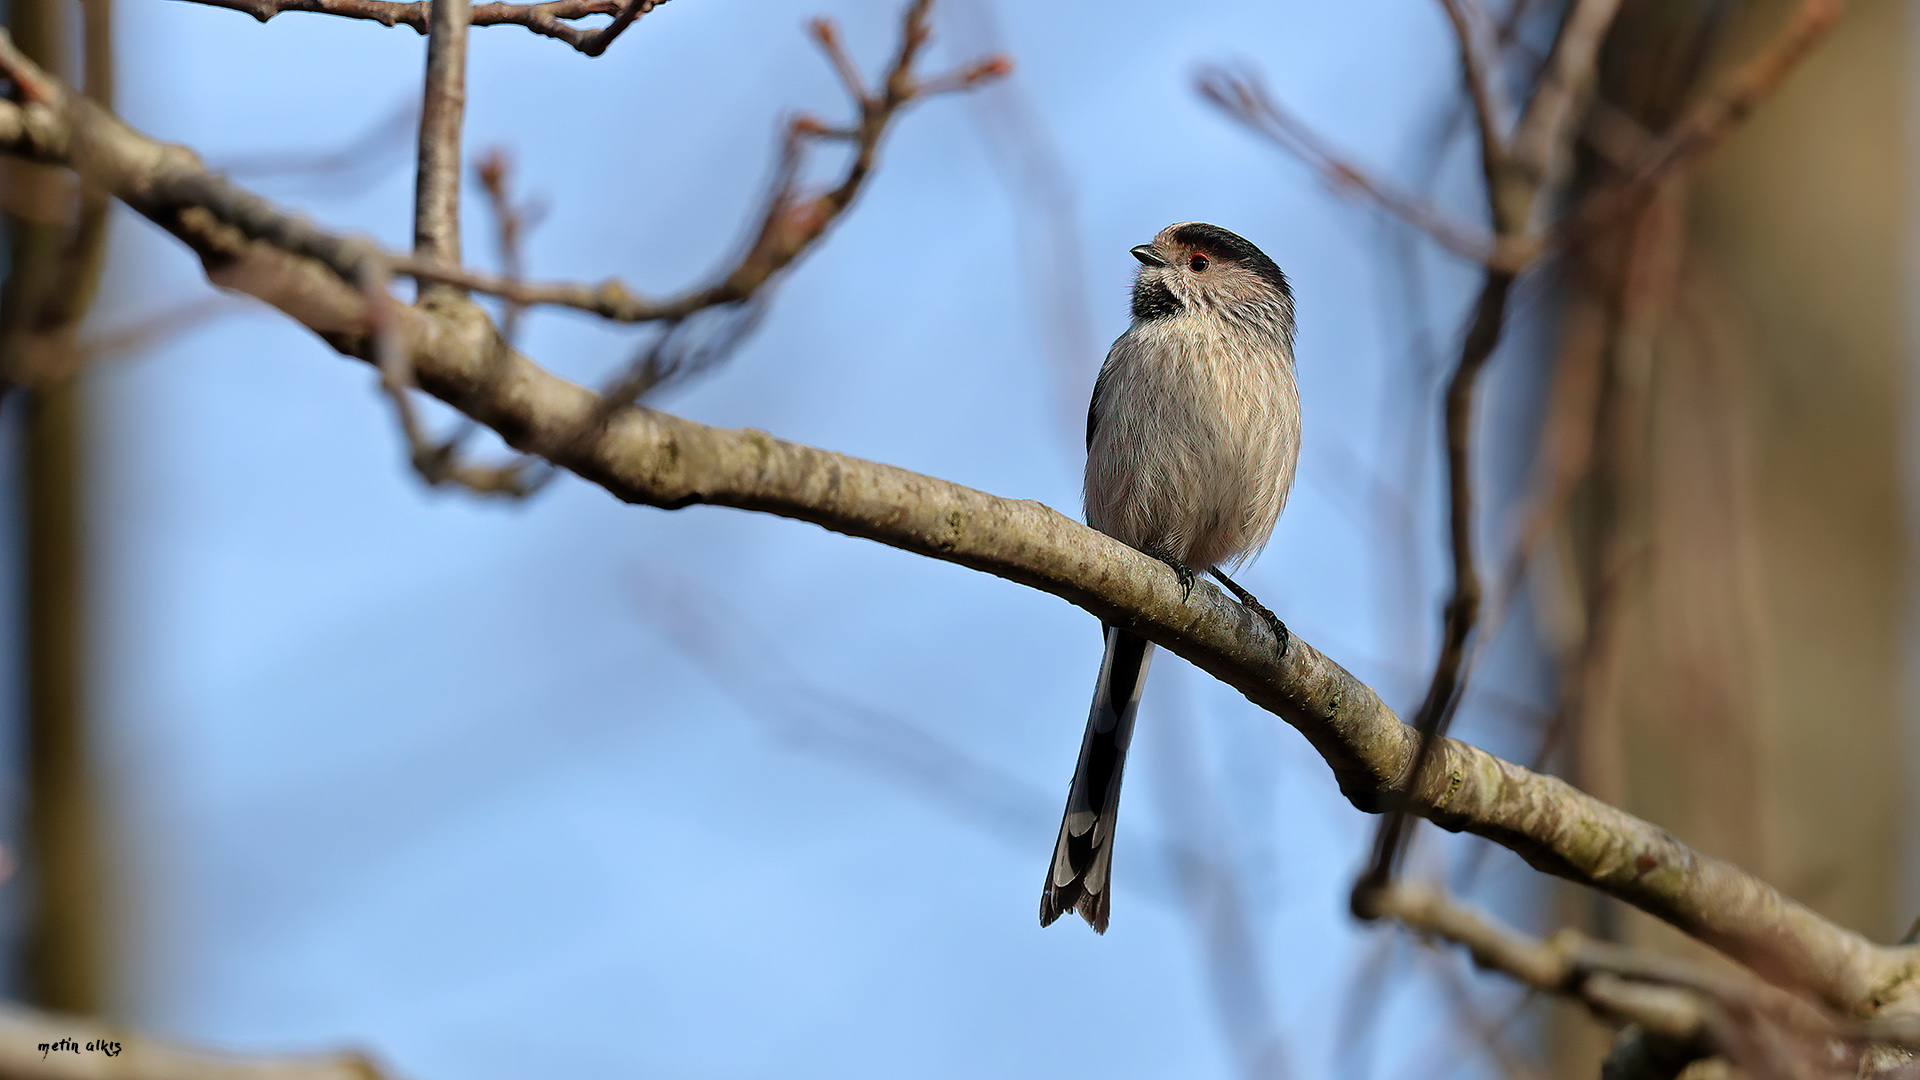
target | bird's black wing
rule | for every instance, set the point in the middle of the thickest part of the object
(1093, 406)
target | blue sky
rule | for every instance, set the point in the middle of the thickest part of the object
(571, 787)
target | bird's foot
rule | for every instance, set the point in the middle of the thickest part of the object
(1253, 604)
(1273, 623)
(1180, 570)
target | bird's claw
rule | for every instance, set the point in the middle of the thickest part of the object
(1252, 603)
(1279, 631)
(1273, 622)
(1180, 570)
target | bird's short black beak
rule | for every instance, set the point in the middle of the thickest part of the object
(1148, 256)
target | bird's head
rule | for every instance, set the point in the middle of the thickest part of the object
(1196, 268)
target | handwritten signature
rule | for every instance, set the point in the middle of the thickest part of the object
(94, 1046)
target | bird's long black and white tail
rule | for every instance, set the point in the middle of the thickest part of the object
(1080, 875)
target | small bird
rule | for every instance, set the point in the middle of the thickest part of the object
(1192, 438)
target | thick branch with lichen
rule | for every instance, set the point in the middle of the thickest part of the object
(644, 456)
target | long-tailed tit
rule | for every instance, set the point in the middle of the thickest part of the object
(1192, 438)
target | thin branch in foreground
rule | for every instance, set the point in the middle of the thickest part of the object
(553, 19)
(1028, 160)
(148, 332)
(1462, 611)
(1545, 132)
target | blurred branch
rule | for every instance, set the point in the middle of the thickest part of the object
(1710, 121)
(49, 1046)
(1479, 69)
(1563, 965)
(327, 282)
(1680, 1011)
(1520, 177)
(368, 155)
(1191, 874)
(1027, 157)
(52, 278)
(1245, 98)
(551, 19)
(511, 222)
(753, 671)
(1517, 175)
(1545, 131)
(151, 331)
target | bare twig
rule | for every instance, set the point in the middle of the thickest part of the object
(1516, 176)
(437, 462)
(593, 42)
(436, 193)
(704, 327)
(512, 221)
(1476, 38)
(1462, 609)
(143, 334)
(827, 36)
(436, 237)
(609, 300)
(552, 19)
(789, 222)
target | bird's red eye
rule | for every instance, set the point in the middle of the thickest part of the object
(1197, 263)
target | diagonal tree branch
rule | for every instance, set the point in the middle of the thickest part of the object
(648, 457)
